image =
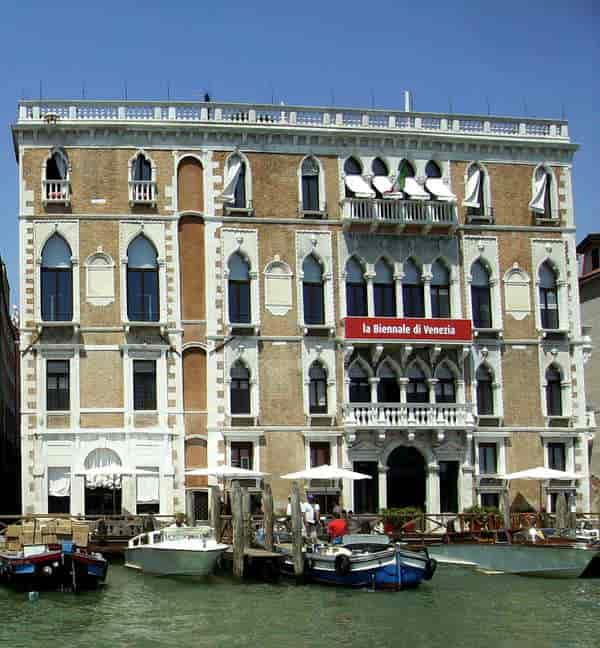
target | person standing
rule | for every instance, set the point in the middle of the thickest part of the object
(337, 528)
(309, 518)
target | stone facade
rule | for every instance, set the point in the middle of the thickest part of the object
(238, 343)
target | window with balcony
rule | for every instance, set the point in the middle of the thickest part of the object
(144, 385)
(313, 291)
(235, 189)
(240, 389)
(310, 185)
(57, 386)
(554, 406)
(142, 281)
(475, 199)
(352, 169)
(320, 454)
(381, 182)
(356, 289)
(384, 290)
(488, 459)
(485, 392)
(242, 454)
(432, 170)
(440, 290)
(56, 181)
(437, 188)
(238, 286)
(407, 182)
(412, 291)
(317, 389)
(445, 388)
(481, 299)
(141, 183)
(548, 297)
(543, 190)
(557, 459)
(57, 281)
(388, 389)
(360, 389)
(417, 390)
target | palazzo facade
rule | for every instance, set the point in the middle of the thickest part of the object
(278, 287)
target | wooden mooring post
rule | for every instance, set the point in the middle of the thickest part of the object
(215, 511)
(268, 516)
(297, 532)
(238, 530)
(247, 517)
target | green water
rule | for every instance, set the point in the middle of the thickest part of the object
(457, 608)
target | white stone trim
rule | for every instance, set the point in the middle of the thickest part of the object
(484, 249)
(322, 184)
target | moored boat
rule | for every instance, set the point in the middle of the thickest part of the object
(175, 551)
(366, 561)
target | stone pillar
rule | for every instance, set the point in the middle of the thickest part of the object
(432, 382)
(77, 494)
(129, 494)
(369, 276)
(382, 486)
(427, 294)
(374, 382)
(465, 486)
(399, 297)
(432, 502)
(403, 382)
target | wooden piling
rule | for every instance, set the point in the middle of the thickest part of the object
(247, 517)
(215, 511)
(297, 532)
(268, 516)
(238, 530)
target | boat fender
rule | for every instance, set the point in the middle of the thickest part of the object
(342, 565)
(430, 567)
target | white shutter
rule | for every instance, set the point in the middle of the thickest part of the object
(414, 190)
(59, 482)
(472, 189)
(358, 186)
(233, 171)
(385, 187)
(148, 487)
(439, 189)
(538, 200)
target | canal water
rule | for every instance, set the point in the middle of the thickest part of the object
(457, 608)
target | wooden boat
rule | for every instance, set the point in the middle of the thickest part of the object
(366, 561)
(175, 551)
(53, 567)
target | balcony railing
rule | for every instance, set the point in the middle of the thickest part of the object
(56, 191)
(407, 415)
(142, 192)
(304, 117)
(427, 213)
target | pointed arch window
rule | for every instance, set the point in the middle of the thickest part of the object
(474, 191)
(356, 289)
(445, 388)
(142, 281)
(485, 391)
(355, 186)
(239, 290)
(412, 291)
(417, 390)
(313, 291)
(381, 182)
(234, 190)
(481, 299)
(384, 290)
(388, 390)
(554, 406)
(317, 390)
(440, 290)
(310, 185)
(360, 389)
(543, 189)
(57, 281)
(240, 389)
(548, 297)
(142, 187)
(56, 182)
(432, 170)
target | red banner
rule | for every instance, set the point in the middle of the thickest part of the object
(394, 328)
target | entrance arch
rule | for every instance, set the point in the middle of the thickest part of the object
(102, 489)
(406, 478)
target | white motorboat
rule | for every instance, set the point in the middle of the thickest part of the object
(175, 551)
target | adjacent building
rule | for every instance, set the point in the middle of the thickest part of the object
(278, 287)
(589, 293)
(10, 441)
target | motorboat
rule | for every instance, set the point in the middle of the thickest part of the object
(61, 566)
(175, 551)
(534, 552)
(365, 560)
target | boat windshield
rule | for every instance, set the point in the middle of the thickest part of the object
(186, 533)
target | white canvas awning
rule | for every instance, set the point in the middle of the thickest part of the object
(147, 485)
(233, 172)
(439, 189)
(59, 482)
(414, 190)
(326, 472)
(472, 189)
(386, 188)
(357, 185)
(225, 472)
(540, 473)
(538, 199)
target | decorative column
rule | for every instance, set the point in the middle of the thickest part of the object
(426, 277)
(374, 382)
(432, 502)
(398, 276)
(465, 487)
(129, 494)
(382, 470)
(77, 494)
(369, 276)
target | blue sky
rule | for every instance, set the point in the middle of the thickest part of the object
(536, 58)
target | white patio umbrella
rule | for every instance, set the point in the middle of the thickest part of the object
(226, 472)
(541, 474)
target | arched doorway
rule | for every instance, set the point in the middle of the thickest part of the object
(406, 478)
(103, 482)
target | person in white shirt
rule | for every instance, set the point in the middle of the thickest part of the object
(309, 518)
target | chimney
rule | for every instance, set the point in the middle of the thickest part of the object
(407, 101)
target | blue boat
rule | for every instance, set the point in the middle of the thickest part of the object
(366, 561)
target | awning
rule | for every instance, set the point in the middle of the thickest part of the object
(357, 185)
(385, 187)
(414, 190)
(59, 482)
(233, 172)
(439, 189)
(538, 200)
(472, 189)
(147, 486)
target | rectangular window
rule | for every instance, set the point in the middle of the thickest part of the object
(310, 193)
(488, 459)
(557, 456)
(482, 306)
(314, 307)
(57, 295)
(144, 384)
(142, 295)
(242, 455)
(385, 300)
(440, 301)
(147, 487)
(595, 259)
(57, 386)
(490, 500)
(59, 490)
(549, 308)
(320, 454)
(414, 303)
(239, 302)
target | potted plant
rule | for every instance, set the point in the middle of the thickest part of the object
(401, 520)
